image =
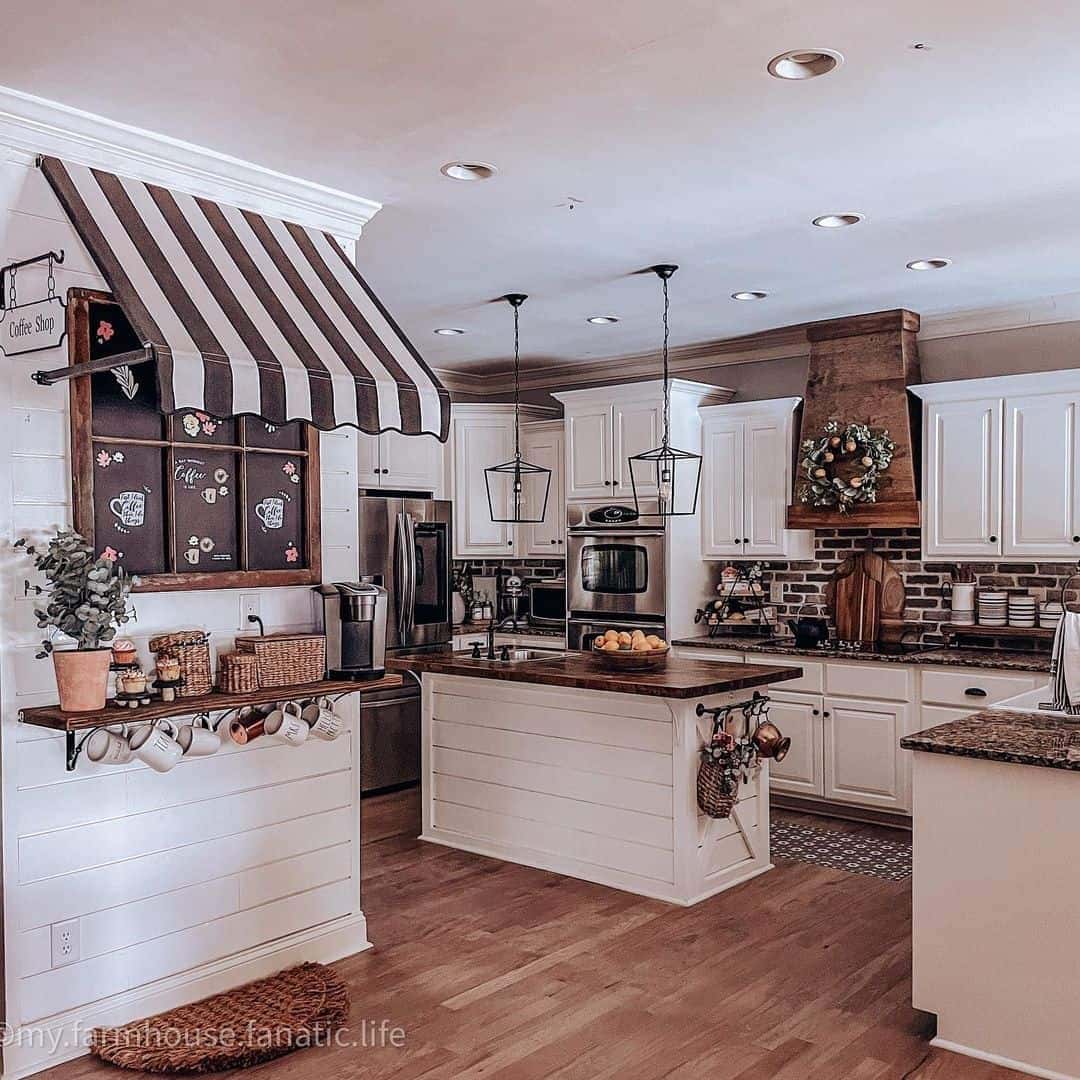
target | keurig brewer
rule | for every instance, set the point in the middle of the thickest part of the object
(354, 619)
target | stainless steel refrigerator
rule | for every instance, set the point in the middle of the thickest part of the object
(405, 544)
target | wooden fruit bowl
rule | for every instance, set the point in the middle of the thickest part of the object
(629, 660)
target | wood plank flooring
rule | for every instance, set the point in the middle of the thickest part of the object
(495, 970)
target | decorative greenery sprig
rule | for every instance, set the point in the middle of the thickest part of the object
(873, 450)
(86, 598)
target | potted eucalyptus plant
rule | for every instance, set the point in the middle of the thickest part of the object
(85, 599)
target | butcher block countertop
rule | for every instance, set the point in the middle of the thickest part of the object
(678, 679)
(1020, 738)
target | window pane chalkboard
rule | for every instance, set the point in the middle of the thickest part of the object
(187, 501)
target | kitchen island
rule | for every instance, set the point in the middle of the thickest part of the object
(996, 833)
(559, 763)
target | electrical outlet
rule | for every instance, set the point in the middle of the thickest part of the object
(776, 592)
(249, 606)
(66, 944)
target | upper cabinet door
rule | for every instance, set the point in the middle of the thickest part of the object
(478, 444)
(410, 462)
(369, 468)
(768, 447)
(1042, 485)
(636, 428)
(588, 453)
(962, 479)
(722, 520)
(547, 539)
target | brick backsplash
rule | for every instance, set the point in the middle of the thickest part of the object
(804, 582)
(526, 568)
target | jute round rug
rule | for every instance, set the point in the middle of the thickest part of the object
(265, 1019)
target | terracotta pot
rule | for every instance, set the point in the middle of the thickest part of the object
(82, 677)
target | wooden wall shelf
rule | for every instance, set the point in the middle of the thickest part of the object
(52, 716)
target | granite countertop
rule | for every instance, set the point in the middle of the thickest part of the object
(677, 679)
(524, 630)
(1001, 659)
(1003, 735)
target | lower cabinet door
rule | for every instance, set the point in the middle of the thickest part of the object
(863, 760)
(801, 772)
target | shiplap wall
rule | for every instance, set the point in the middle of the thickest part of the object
(169, 876)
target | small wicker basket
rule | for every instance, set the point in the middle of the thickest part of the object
(286, 659)
(238, 673)
(191, 650)
(716, 792)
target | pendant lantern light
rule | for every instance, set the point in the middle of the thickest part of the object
(517, 487)
(674, 474)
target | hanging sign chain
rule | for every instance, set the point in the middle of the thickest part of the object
(52, 280)
(11, 287)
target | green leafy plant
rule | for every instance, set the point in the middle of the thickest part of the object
(85, 598)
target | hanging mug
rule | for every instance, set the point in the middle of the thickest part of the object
(322, 720)
(155, 745)
(109, 746)
(248, 726)
(198, 739)
(287, 724)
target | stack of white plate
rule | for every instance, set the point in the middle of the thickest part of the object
(1021, 610)
(993, 608)
(1050, 612)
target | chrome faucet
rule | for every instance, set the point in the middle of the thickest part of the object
(495, 626)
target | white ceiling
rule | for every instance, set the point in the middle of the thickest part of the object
(660, 117)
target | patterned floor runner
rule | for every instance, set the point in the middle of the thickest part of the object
(853, 852)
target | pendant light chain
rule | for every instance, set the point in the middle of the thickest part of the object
(517, 385)
(667, 391)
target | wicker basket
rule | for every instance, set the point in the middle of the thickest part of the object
(716, 793)
(286, 659)
(191, 649)
(238, 673)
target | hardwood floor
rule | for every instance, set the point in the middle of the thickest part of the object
(495, 970)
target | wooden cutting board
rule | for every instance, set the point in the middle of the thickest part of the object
(866, 590)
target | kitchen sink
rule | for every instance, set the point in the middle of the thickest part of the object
(514, 656)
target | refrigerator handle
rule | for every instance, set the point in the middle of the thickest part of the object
(401, 574)
(410, 552)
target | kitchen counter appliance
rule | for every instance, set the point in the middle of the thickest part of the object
(354, 621)
(547, 603)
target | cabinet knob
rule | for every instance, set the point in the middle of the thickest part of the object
(737, 540)
(1076, 539)
(386, 470)
(993, 539)
(815, 712)
(509, 543)
(375, 471)
(826, 713)
(746, 539)
(554, 541)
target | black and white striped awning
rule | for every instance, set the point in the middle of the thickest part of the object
(247, 314)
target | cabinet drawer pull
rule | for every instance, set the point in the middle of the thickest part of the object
(975, 691)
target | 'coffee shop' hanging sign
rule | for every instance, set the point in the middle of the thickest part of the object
(36, 324)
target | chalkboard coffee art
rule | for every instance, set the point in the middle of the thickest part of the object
(128, 506)
(275, 500)
(206, 523)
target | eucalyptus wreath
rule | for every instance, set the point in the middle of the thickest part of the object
(85, 597)
(872, 451)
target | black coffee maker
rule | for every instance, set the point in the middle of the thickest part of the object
(354, 620)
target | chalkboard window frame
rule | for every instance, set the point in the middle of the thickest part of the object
(83, 449)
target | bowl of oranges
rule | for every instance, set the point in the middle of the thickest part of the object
(630, 650)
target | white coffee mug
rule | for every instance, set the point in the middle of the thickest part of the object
(109, 746)
(198, 741)
(326, 724)
(155, 745)
(287, 724)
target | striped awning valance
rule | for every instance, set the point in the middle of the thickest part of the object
(248, 314)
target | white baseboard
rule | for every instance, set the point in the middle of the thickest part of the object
(60, 1038)
(1004, 1062)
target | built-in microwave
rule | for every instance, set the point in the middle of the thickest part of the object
(547, 603)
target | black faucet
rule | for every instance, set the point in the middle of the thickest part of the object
(494, 626)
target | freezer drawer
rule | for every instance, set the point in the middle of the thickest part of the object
(389, 741)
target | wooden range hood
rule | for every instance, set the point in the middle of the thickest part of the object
(860, 368)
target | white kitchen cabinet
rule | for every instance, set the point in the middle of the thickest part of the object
(400, 462)
(1041, 482)
(747, 483)
(483, 436)
(799, 717)
(863, 760)
(1001, 467)
(542, 444)
(604, 426)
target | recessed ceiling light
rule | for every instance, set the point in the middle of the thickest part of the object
(468, 170)
(602, 320)
(928, 264)
(804, 63)
(449, 331)
(837, 221)
(747, 295)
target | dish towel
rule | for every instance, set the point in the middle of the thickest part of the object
(1065, 666)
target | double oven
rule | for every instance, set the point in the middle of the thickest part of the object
(616, 571)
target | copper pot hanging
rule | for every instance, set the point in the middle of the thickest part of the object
(770, 741)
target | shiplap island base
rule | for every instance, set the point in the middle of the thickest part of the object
(557, 764)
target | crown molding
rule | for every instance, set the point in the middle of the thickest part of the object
(1043, 311)
(36, 125)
